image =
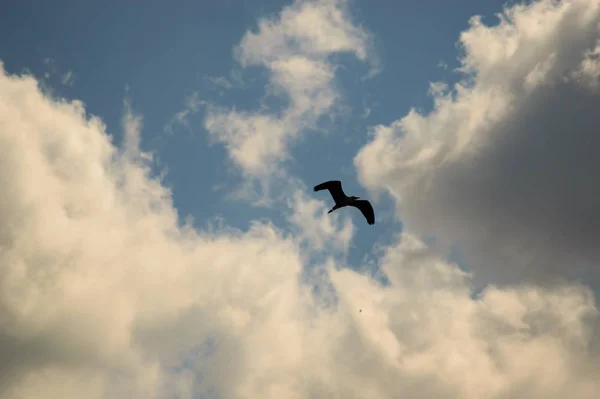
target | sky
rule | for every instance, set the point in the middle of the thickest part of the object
(160, 236)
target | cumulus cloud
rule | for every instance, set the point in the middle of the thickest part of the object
(505, 164)
(96, 272)
(103, 294)
(317, 227)
(295, 47)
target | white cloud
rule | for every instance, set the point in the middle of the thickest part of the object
(504, 164)
(221, 82)
(94, 265)
(192, 105)
(295, 48)
(313, 27)
(588, 72)
(321, 231)
(104, 295)
(52, 69)
(255, 141)
(68, 78)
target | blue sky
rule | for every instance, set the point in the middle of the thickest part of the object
(482, 181)
(163, 54)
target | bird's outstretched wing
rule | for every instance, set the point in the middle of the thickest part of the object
(335, 189)
(367, 210)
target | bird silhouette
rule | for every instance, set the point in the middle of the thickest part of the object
(342, 200)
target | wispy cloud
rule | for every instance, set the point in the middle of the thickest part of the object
(192, 105)
(68, 78)
(295, 48)
(53, 71)
(221, 82)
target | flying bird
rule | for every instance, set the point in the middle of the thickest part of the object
(342, 200)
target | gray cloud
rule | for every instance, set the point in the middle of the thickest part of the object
(104, 294)
(506, 164)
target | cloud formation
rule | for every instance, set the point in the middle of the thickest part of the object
(505, 165)
(192, 105)
(104, 295)
(295, 47)
(97, 274)
(68, 79)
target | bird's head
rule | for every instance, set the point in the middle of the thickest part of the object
(354, 198)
